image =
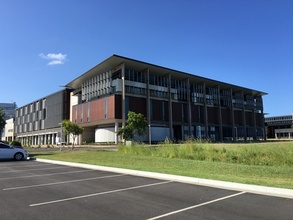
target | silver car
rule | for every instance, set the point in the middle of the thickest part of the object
(10, 152)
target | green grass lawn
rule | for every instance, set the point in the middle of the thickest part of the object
(259, 174)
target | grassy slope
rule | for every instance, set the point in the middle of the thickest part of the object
(276, 176)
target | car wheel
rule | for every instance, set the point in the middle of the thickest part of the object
(18, 156)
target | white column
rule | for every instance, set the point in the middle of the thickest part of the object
(116, 129)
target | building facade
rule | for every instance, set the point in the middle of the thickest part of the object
(177, 105)
(9, 130)
(9, 110)
(39, 122)
(279, 126)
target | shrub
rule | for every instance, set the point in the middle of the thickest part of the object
(15, 143)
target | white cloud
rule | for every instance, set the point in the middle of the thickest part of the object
(54, 58)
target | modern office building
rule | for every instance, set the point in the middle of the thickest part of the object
(39, 122)
(177, 105)
(279, 126)
(9, 110)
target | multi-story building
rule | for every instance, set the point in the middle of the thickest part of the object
(177, 105)
(39, 122)
(279, 126)
(9, 111)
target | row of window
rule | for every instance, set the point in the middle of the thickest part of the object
(31, 117)
(212, 99)
(108, 83)
(97, 86)
(33, 107)
(280, 118)
(32, 126)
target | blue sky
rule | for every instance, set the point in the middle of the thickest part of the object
(45, 44)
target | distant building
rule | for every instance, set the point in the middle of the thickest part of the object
(177, 105)
(9, 109)
(9, 130)
(38, 123)
(279, 126)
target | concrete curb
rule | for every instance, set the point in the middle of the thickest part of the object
(263, 190)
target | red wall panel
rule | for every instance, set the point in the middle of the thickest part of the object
(97, 110)
(111, 107)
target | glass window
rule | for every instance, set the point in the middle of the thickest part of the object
(127, 74)
(4, 146)
(152, 79)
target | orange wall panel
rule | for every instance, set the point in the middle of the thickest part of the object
(111, 107)
(97, 110)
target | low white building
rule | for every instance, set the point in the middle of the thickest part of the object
(9, 130)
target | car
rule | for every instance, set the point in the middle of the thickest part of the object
(9, 152)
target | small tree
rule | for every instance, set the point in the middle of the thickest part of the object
(72, 129)
(2, 121)
(136, 125)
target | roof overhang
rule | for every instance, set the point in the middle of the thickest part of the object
(116, 60)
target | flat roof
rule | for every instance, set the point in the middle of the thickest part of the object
(116, 60)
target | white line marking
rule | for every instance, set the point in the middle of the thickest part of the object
(195, 206)
(49, 174)
(98, 194)
(37, 165)
(16, 171)
(64, 182)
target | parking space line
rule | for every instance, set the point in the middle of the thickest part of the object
(196, 206)
(64, 182)
(37, 165)
(16, 171)
(98, 194)
(49, 174)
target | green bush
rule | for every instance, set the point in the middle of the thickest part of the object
(15, 143)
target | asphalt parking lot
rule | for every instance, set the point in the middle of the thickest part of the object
(38, 190)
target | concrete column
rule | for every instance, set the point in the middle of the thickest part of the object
(206, 122)
(220, 114)
(188, 107)
(234, 131)
(244, 118)
(254, 124)
(148, 105)
(123, 94)
(116, 129)
(170, 107)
